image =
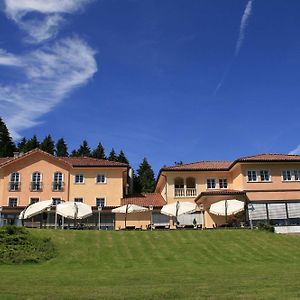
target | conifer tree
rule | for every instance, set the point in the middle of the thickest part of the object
(7, 146)
(122, 158)
(84, 149)
(112, 155)
(145, 177)
(74, 153)
(22, 145)
(33, 143)
(61, 148)
(99, 152)
(47, 145)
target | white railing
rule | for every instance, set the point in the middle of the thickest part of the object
(188, 192)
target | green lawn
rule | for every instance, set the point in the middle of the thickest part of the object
(216, 264)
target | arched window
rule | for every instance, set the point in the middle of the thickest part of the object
(179, 183)
(57, 181)
(190, 183)
(14, 184)
(36, 181)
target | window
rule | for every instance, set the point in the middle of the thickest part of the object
(78, 200)
(252, 176)
(287, 175)
(211, 183)
(223, 183)
(179, 183)
(14, 184)
(264, 175)
(79, 178)
(34, 200)
(57, 181)
(101, 178)
(36, 184)
(297, 175)
(56, 201)
(100, 202)
(12, 202)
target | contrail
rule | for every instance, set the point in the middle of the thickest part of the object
(245, 17)
(239, 43)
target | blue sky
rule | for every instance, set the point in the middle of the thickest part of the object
(172, 80)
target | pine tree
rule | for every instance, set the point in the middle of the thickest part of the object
(7, 146)
(22, 145)
(112, 155)
(145, 177)
(74, 153)
(84, 149)
(61, 148)
(99, 152)
(47, 145)
(122, 158)
(33, 143)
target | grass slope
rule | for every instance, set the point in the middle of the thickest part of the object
(217, 264)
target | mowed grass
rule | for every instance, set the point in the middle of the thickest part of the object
(216, 264)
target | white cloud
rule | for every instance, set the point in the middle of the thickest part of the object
(244, 20)
(47, 19)
(8, 59)
(51, 73)
(296, 150)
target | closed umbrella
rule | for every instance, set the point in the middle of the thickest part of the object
(129, 208)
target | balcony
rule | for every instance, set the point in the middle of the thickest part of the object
(58, 186)
(185, 192)
(14, 186)
(36, 186)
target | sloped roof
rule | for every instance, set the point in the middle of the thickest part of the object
(201, 165)
(145, 199)
(3, 160)
(91, 162)
(270, 157)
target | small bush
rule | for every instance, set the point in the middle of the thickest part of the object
(18, 246)
(265, 227)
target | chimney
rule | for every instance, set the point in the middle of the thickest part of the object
(16, 154)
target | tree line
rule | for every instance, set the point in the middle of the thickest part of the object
(143, 177)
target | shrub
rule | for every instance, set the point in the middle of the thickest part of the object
(265, 227)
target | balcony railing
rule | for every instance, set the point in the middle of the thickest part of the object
(14, 186)
(58, 186)
(36, 186)
(185, 192)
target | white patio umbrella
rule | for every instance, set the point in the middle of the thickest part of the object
(178, 208)
(227, 207)
(128, 209)
(36, 209)
(21, 215)
(74, 210)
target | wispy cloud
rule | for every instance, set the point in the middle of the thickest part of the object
(8, 59)
(245, 17)
(48, 16)
(296, 150)
(51, 71)
(239, 43)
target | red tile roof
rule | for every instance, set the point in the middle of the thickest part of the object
(90, 162)
(3, 160)
(201, 165)
(222, 192)
(145, 199)
(270, 157)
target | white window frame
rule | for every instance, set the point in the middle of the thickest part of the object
(223, 180)
(13, 198)
(29, 201)
(284, 174)
(14, 182)
(269, 175)
(298, 175)
(83, 178)
(100, 198)
(251, 172)
(101, 174)
(211, 180)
